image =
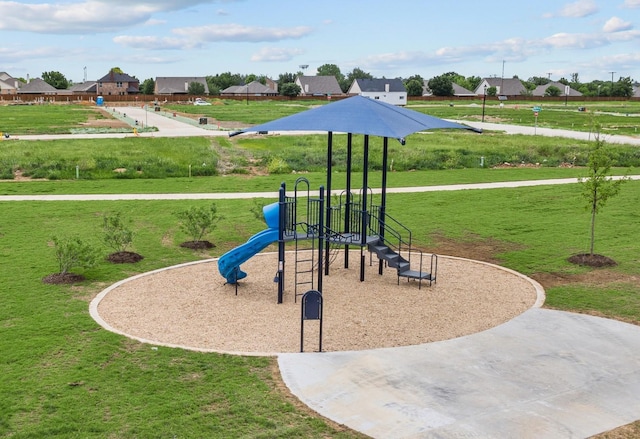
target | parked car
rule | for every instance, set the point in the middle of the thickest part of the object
(200, 101)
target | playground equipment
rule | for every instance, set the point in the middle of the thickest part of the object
(300, 219)
(354, 221)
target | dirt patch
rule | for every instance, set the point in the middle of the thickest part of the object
(95, 121)
(198, 245)
(63, 278)
(124, 257)
(592, 260)
(472, 246)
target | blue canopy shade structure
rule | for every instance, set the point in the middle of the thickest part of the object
(359, 115)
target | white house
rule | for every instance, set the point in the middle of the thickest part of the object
(391, 91)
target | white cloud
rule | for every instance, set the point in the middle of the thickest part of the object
(579, 9)
(86, 16)
(240, 33)
(615, 24)
(631, 4)
(154, 43)
(275, 54)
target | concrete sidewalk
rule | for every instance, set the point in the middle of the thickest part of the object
(274, 195)
(544, 374)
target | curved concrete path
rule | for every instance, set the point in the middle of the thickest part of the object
(544, 374)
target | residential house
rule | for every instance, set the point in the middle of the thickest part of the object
(391, 91)
(318, 85)
(636, 91)
(253, 88)
(8, 84)
(40, 87)
(504, 86)
(118, 84)
(178, 85)
(541, 90)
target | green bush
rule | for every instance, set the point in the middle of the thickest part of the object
(116, 234)
(278, 166)
(197, 222)
(73, 252)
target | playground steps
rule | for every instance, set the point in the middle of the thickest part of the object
(402, 265)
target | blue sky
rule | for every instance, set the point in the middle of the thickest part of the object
(550, 38)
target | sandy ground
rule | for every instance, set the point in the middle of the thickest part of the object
(190, 306)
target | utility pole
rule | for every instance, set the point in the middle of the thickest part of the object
(502, 79)
(611, 93)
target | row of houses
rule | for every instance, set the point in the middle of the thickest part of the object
(391, 91)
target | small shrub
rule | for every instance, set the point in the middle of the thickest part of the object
(117, 235)
(197, 222)
(278, 166)
(73, 252)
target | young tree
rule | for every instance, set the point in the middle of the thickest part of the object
(597, 188)
(197, 222)
(117, 235)
(195, 88)
(56, 80)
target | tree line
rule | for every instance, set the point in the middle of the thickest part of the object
(441, 85)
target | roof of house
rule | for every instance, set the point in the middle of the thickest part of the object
(178, 84)
(253, 88)
(37, 85)
(87, 87)
(506, 86)
(379, 85)
(326, 85)
(541, 89)
(459, 90)
(117, 77)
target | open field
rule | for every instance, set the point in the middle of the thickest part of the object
(63, 376)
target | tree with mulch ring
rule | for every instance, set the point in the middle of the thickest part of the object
(71, 253)
(118, 236)
(197, 222)
(597, 188)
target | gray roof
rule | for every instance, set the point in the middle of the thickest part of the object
(87, 87)
(506, 86)
(379, 85)
(458, 90)
(178, 84)
(117, 77)
(324, 85)
(253, 88)
(541, 89)
(37, 85)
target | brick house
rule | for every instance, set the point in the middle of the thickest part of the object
(118, 84)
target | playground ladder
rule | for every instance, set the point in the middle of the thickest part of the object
(304, 267)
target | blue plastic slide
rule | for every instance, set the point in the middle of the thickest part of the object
(229, 263)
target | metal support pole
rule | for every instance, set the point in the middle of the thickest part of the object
(365, 185)
(347, 208)
(321, 240)
(328, 201)
(383, 200)
(281, 225)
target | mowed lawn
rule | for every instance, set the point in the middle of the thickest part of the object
(62, 375)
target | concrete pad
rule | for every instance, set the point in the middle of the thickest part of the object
(544, 374)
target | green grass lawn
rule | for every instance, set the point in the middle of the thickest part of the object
(64, 376)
